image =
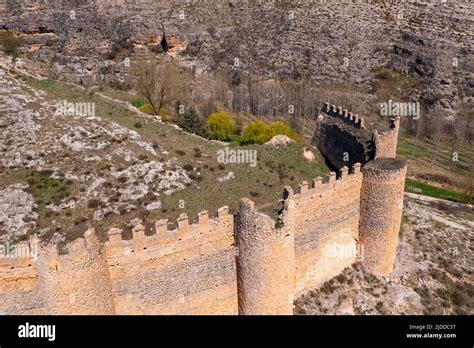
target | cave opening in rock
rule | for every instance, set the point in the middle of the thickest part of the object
(164, 44)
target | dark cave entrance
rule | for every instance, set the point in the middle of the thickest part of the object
(164, 44)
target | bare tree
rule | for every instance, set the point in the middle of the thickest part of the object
(147, 76)
(457, 136)
(162, 84)
(417, 137)
(436, 133)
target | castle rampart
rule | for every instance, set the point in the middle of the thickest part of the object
(325, 220)
(246, 263)
(175, 271)
(344, 138)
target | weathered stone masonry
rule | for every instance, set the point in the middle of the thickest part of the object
(381, 213)
(241, 264)
(265, 263)
(344, 139)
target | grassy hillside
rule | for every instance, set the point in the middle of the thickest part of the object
(276, 167)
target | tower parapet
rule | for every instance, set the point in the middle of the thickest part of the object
(381, 213)
(342, 137)
(385, 143)
(344, 115)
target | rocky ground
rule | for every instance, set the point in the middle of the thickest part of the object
(59, 165)
(61, 173)
(432, 274)
(328, 42)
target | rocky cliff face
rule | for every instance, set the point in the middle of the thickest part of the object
(85, 40)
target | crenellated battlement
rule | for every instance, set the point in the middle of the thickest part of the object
(344, 115)
(187, 234)
(317, 186)
(344, 139)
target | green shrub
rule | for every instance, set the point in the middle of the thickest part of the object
(235, 140)
(147, 109)
(164, 114)
(46, 189)
(257, 132)
(138, 103)
(187, 119)
(221, 125)
(278, 128)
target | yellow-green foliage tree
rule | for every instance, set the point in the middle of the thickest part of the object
(259, 132)
(277, 128)
(147, 109)
(256, 132)
(221, 125)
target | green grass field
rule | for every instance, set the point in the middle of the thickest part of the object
(438, 171)
(432, 191)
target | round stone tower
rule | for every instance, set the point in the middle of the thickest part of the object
(381, 213)
(77, 282)
(265, 263)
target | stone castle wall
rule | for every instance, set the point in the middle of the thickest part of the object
(343, 138)
(19, 284)
(325, 220)
(215, 266)
(190, 270)
(241, 264)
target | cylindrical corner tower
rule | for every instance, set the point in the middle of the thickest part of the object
(265, 263)
(78, 282)
(381, 213)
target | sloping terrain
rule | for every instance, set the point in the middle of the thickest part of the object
(60, 173)
(432, 274)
